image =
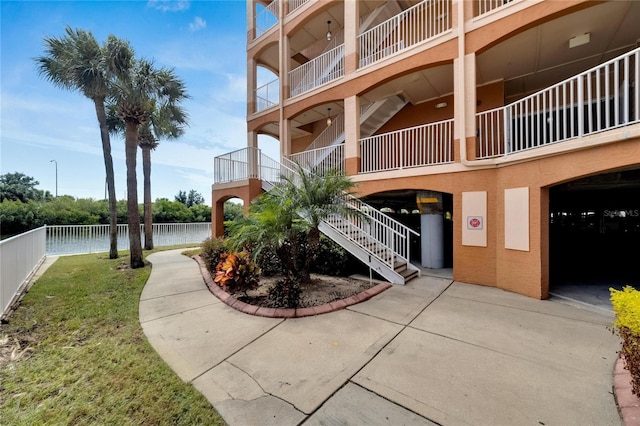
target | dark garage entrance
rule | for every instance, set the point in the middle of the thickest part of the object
(594, 235)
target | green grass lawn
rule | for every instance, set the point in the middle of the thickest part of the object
(89, 361)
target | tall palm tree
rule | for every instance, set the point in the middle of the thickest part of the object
(77, 62)
(135, 98)
(166, 122)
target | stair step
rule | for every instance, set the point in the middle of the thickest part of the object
(409, 274)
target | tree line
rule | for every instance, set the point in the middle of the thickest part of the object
(131, 97)
(23, 207)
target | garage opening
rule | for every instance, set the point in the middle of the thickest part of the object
(410, 207)
(594, 236)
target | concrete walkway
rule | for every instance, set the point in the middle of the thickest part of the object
(429, 352)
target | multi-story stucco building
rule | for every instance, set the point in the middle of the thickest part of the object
(505, 135)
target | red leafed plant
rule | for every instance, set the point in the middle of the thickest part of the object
(236, 272)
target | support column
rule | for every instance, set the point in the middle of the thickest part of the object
(252, 85)
(251, 20)
(431, 229)
(351, 31)
(285, 137)
(352, 134)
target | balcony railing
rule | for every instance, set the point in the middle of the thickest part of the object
(425, 145)
(321, 70)
(266, 17)
(602, 98)
(485, 6)
(237, 165)
(268, 95)
(417, 24)
(321, 160)
(294, 4)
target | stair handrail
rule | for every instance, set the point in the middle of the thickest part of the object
(373, 215)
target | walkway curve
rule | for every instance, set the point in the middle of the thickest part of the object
(429, 352)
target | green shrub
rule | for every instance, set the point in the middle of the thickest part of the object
(285, 294)
(212, 249)
(269, 262)
(626, 304)
(333, 260)
(236, 272)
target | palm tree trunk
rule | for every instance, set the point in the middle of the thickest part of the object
(111, 185)
(133, 216)
(148, 225)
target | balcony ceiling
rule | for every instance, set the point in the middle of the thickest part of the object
(613, 27)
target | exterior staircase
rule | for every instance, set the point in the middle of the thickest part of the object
(377, 240)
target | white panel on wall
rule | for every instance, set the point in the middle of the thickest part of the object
(516, 219)
(474, 218)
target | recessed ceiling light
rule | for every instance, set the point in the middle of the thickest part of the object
(579, 40)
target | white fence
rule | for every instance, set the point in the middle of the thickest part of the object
(424, 145)
(599, 99)
(415, 25)
(236, 165)
(76, 239)
(20, 257)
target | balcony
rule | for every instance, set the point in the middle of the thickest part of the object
(266, 17)
(268, 95)
(600, 99)
(321, 70)
(407, 29)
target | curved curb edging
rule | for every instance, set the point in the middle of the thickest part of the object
(628, 403)
(285, 312)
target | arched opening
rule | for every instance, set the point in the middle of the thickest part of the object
(269, 146)
(594, 229)
(430, 214)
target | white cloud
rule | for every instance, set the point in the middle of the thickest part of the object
(169, 5)
(197, 24)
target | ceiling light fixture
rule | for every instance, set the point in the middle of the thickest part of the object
(329, 121)
(579, 40)
(441, 105)
(328, 30)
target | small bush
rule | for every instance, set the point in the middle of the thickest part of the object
(285, 294)
(626, 304)
(269, 263)
(212, 249)
(236, 272)
(334, 260)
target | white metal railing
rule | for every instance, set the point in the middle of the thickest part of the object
(383, 237)
(321, 160)
(318, 71)
(236, 165)
(76, 239)
(266, 17)
(602, 98)
(268, 95)
(415, 25)
(330, 135)
(425, 145)
(20, 257)
(294, 4)
(486, 6)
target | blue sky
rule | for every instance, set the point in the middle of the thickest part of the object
(205, 43)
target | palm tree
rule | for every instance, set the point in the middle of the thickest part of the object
(294, 207)
(138, 94)
(316, 198)
(272, 223)
(77, 62)
(167, 122)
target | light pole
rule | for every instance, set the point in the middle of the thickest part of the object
(54, 161)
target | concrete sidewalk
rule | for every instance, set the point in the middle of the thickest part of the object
(429, 352)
